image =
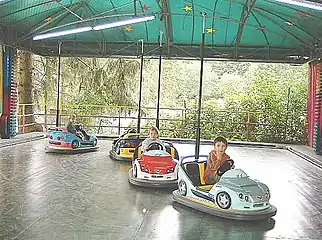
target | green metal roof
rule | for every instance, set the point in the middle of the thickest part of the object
(263, 30)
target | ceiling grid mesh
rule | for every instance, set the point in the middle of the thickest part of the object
(259, 30)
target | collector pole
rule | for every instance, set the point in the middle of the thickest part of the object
(58, 83)
(202, 49)
(159, 81)
(140, 88)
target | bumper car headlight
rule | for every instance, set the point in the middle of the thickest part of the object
(170, 170)
(267, 195)
(241, 196)
(246, 198)
(147, 170)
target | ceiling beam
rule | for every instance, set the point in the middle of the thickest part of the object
(168, 22)
(243, 18)
(307, 44)
(41, 24)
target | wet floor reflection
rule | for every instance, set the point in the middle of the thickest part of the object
(293, 183)
(87, 196)
(217, 228)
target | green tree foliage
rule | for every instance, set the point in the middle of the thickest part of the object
(44, 76)
(231, 68)
(279, 92)
(179, 82)
(270, 106)
(86, 84)
(241, 101)
(97, 81)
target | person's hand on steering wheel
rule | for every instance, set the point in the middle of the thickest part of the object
(154, 145)
(225, 166)
(79, 126)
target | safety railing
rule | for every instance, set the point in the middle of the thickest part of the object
(174, 122)
(118, 118)
(23, 123)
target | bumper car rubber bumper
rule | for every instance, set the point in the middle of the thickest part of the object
(151, 183)
(54, 149)
(117, 157)
(229, 213)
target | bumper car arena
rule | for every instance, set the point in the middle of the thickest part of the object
(65, 186)
(88, 196)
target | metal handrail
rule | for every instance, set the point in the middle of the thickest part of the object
(121, 117)
(115, 120)
(23, 116)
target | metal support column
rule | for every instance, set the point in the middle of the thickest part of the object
(8, 119)
(202, 49)
(159, 81)
(140, 89)
(58, 83)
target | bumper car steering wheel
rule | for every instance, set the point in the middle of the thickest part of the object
(155, 146)
(225, 166)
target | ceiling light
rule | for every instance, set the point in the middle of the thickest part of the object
(124, 22)
(303, 3)
(99, 27)
(62, 33)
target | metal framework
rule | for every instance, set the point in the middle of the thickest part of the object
(298, 28)
(214, 52)
(304, 48)
(245, 14)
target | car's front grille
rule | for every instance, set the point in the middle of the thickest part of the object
(55, 143)
(157, 176)
(258, 205)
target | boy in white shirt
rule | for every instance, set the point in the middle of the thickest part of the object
(154, 137)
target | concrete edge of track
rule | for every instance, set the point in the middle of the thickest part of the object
(22, 139)
(305, 156)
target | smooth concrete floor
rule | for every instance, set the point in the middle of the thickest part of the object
(87, 196)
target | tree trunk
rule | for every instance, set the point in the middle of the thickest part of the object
(24, 77)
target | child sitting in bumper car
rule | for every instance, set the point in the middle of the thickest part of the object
(76, 129)
(153, 138)
(215, 159)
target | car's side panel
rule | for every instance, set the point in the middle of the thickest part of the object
(127, 152)
(200, 191)
(182, 176)
(61, 139)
